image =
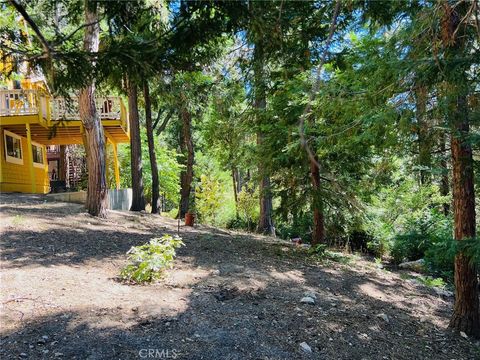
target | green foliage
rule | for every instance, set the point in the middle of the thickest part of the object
(148, 261)
(405, 218)
(321, 252)
(318, 250)
(214, 202)
(207, 198)
(248, 207)
(168, 170)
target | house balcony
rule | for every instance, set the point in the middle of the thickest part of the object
(56, 121)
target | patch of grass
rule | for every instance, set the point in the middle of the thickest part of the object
(18, 220)
(320, 252)
(427, 281)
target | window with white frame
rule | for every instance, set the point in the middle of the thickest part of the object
(13, 148)
(37, 151)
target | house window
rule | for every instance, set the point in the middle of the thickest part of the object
(37, 151)
(13, 148)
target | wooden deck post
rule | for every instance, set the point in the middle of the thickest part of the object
(106, 160)
(115, 165)
(30, 158)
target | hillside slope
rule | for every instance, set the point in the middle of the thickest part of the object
(229, 296)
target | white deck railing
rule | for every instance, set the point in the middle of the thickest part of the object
(29, 102)
(67, 109)
(18, 102)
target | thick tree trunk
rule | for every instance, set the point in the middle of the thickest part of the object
(94, 137)
(318, 233)
(138, 198)
(423, 135)
(151, 149)
(186, 176)
(444, 181)
(265, 223)
(466, 315)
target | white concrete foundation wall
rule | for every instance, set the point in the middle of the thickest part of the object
(117, 199)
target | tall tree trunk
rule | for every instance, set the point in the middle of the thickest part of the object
(444, 181)
(423, 136)
(186, 176)
(94, 139)
(138, 198)
(151, 149)
(265, 223)
(235, 195)
(466, 315)
(318, 233)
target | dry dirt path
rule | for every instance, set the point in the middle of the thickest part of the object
(230, 296)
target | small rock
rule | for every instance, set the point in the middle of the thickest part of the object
(23, 355)
(418, 265)
(307, 300)
(58, 354)
(462, 334)
(443, 292)
(216, 272)
(41, 342)
(45, 337)
(305, 347)
(384, 317)
(310, 294)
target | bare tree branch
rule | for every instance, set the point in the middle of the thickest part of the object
(19, 7)
(165, 122)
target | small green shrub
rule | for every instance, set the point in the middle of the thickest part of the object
(318, 250)
(148, 261)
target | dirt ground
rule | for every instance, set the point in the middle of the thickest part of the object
(229, 296)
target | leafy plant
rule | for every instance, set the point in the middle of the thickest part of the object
(318, 250)
(148, 261)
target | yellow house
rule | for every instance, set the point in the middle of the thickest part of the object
(30, 119)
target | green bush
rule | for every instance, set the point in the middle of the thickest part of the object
(301, 227)
(440, 257)
(421, 234)
(148, 261)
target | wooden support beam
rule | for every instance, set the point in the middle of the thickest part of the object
(116, 166)
(30, 158)
(109, 136)
(106, 160)
(18, 120)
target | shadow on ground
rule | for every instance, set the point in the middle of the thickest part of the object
(241, 299)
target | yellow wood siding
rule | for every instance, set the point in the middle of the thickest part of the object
(16, 177)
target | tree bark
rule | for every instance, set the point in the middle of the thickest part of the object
(466, 315)
(235, 195)
(94, 139)
(423, 135)
(186, 176)
(151, 149)
(444, 181)
(265, 223)
(138, 198)
(318, 233)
